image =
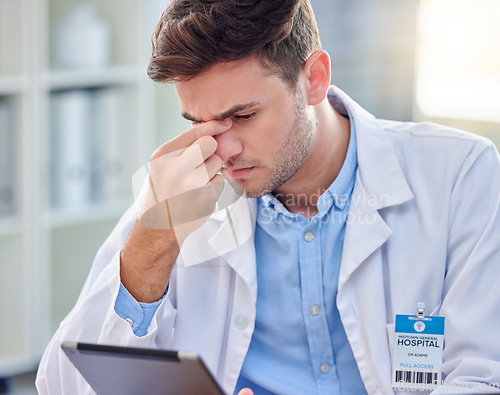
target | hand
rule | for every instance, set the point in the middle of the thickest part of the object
(184, 183)
(179, 195)
(245, 391)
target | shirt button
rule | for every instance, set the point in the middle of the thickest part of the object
(130, 321)
(308, 236)
(324, 367)
(314, 309)
(241, 321)
(341, 198)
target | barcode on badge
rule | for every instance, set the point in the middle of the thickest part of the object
(412, 377)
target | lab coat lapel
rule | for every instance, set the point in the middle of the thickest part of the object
(380, 183)
(239, 220)
(366, 231)
(227, 237)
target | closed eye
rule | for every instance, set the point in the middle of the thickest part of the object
(244, 117)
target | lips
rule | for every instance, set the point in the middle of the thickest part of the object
(240, 173)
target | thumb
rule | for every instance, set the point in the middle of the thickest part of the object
(245, 391)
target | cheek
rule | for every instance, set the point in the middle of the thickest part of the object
(265, 138)
(266, 135)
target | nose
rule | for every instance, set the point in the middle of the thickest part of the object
(228, 145)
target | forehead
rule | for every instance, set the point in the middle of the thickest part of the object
(225, 85)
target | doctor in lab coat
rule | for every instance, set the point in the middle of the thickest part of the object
(434, 238)
(423, 227)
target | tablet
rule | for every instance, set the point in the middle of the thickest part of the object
(125, 370)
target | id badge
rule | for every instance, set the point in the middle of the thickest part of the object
(418, 351)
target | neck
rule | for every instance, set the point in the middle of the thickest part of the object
(301, 193)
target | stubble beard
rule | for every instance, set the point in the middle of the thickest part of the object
(296, 147)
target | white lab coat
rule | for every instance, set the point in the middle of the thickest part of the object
(424, 226)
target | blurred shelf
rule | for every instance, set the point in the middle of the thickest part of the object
(75, 79)
(45, 254)
(11, 85)
(92, 213)
(14, 365)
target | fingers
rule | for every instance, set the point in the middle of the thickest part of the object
(183, 182)
(181, 142)
(199, 151)
(212, 166)
(171, 175)
(210, 128)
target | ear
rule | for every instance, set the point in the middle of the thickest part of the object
(317, 77)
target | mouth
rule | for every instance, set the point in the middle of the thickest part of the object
(239, 173)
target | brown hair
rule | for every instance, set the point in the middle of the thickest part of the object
(193, 35)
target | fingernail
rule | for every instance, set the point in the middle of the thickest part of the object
(226, 122)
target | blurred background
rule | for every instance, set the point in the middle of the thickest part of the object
(78, 116)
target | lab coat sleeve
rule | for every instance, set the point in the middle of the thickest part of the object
(93, 318)
(471, 300)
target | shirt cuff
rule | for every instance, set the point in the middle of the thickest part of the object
(137, 314)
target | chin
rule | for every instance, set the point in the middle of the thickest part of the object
(254, 194)
(243, 188)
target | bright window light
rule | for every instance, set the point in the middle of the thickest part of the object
(458, 67)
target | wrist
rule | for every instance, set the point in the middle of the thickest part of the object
(146, 262)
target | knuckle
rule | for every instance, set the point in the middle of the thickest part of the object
(207, 143)
(204, 140)
(214, 127)
(195, 133)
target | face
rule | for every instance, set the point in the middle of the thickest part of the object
(271, 134)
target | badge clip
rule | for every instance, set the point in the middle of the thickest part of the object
(420, 313)
(420, 310)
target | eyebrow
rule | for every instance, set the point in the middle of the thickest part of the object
(225, 114)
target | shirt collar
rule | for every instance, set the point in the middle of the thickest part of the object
(339, 192)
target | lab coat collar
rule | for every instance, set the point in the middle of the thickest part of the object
(227, 235)
(380, 183)
(378, 168)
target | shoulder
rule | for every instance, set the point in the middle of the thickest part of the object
(436, 144)
(436, 134)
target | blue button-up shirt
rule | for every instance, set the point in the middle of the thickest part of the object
(299, 345)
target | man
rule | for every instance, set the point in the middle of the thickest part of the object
(345, 222)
